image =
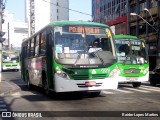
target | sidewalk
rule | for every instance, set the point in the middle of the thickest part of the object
(7, 87)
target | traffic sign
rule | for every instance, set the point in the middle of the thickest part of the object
(1, 34)
(2, 40)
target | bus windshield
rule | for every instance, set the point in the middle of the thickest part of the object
(84, 45)
(131, 51)
(10, 57)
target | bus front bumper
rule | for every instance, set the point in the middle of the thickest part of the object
(65, 85)
(122, 79)
(11, 68)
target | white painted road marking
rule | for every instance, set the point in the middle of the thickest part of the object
(135, 89)
(123, 91)
(107, 92)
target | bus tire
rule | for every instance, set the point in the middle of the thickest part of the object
(136, 84)
(94, 94)
(29, 85)
(45, 84)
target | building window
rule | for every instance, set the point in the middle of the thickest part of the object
(142, 6)
(133, 9)
(133, 30)
(142, 29)
(152, 3)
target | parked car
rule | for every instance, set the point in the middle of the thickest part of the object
(154, 76)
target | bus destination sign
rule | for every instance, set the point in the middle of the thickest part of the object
(86, 29)
(80, 29)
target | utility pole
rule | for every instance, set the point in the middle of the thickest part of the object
(158, 28)
(1, 34)
(9, 48)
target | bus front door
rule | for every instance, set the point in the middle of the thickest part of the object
(49, 62)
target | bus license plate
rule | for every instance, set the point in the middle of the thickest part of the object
(90, 83)
(131, 79)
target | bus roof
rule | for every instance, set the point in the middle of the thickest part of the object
(59, 23)
(122, 36)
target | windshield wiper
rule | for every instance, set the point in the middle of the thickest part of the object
(84, 46)
(78, 57)
(97, 55)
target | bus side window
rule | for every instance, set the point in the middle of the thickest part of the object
(37, 46)
(28, 48)
(32, 47)
(43, 43)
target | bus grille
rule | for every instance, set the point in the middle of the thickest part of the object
(88, 77)
(99, 76)
(132, 70)
(14, 65)
(10, 65)
(80, 77)
(82, 85)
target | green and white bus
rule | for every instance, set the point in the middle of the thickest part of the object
(68, 56)
(10, 60)
(133, 59)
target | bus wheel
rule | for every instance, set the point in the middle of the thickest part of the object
(29, 86)
(136, 84)
(94, 94)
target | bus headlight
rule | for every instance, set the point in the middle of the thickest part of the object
(58, 71)
(114, 72)
(62, 74)
(146, 70)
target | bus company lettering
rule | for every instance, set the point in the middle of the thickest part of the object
(133, 114)
(127, 114)
(88, 30)
(140, 114)
(23, 114)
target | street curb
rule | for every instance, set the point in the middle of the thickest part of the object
(15, 88)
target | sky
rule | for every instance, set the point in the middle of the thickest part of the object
(17, 7)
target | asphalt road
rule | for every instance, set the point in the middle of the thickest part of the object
(126, 100)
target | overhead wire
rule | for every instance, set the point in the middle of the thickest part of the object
(68, 8)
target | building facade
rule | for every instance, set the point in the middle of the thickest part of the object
(148, 10)
(15, 32)
(39, 13)
(112, 13)
(117, 14)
